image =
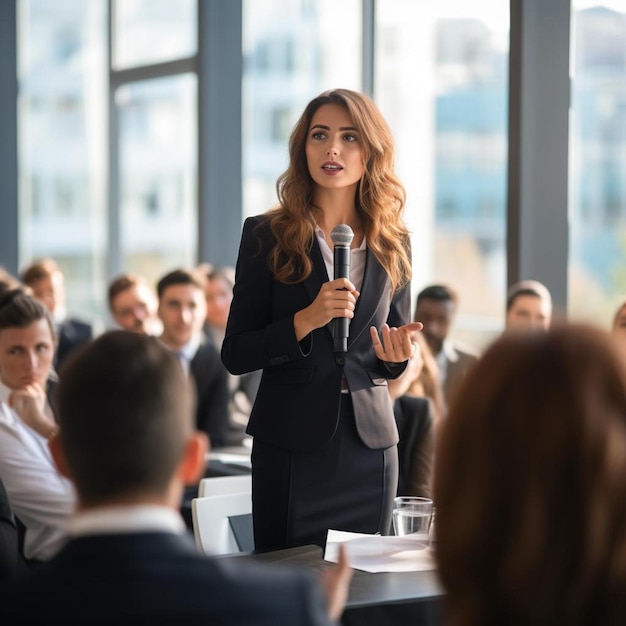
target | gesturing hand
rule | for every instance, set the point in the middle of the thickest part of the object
(336, 298)
(396, 345)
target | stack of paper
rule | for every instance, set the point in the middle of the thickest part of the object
(375, 553)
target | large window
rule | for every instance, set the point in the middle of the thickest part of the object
(62, 143)
(441, 81)
(293, 50)
(597, 266)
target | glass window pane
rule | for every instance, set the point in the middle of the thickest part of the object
(153, 31)
(157, 173)
(293, 50)
(62, 144)
(442, 84)
(597, 187)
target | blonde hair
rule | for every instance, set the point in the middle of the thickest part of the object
(380, 196)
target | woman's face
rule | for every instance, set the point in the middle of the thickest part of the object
(26, 354)
(334, 150)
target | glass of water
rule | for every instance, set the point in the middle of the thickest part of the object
(412, 517)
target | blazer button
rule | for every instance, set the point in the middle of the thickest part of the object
(340, 360)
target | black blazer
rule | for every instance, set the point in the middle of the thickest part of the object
(414, 417)
(297, 404)
(158, 578)
(211, 383)
(72, 334)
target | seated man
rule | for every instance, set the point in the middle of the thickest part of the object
(218, 291)
(129, 447)
(436, 307)
(182, 310)
(46, 280)
(133, 305)
(528, 306)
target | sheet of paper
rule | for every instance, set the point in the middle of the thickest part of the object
(374, 553)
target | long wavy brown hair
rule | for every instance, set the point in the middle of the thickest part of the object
(380, 195)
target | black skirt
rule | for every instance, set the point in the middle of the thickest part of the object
(298, 496)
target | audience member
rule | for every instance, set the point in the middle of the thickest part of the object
(182, 310)
(9, 282)
(129, 448)
(40, 497)
(436, 307)
(528, 306)
(530, 484)
(133, 304)
(218, 291)
(46, 280)
(618, 328)
(418, 408)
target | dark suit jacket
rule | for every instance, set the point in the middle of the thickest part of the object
(297, 403)
(72, 333)
(158, 578)
(457, 367)
(414, 417)
(211, 382)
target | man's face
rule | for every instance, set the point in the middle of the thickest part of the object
(135, 309)
(528, 313)
(50, 291)
(437, 319)
(182, 309)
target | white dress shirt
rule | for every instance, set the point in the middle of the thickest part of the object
(126, 519)
(41, 498)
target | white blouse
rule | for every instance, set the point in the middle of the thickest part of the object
(41, 498)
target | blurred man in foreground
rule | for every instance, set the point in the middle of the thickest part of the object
(126, 441)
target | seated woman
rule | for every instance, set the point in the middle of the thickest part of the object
(530, 484)
(40, 497)
(418, 406)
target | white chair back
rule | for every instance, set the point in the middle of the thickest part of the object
(210, 518)
(220, 485)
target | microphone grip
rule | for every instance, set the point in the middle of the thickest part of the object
(341, 325)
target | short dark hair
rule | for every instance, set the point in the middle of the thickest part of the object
(121, 284)
(125, 412)
(527, 288)
(180, 276)
(19, 310)
(440, 293)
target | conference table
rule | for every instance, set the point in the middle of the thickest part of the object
(374, 598)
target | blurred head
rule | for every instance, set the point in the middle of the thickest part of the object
(133, 304)
(8, 282)
(530, 483)
(182, 307)
(27, 340)
(619, 325)
(528, 306)
(45, 279)
(218, 292)
(126, 411)
(435, 308)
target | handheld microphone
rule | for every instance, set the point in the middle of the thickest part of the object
(341, 236)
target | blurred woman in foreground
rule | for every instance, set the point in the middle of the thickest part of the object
(530, 484)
